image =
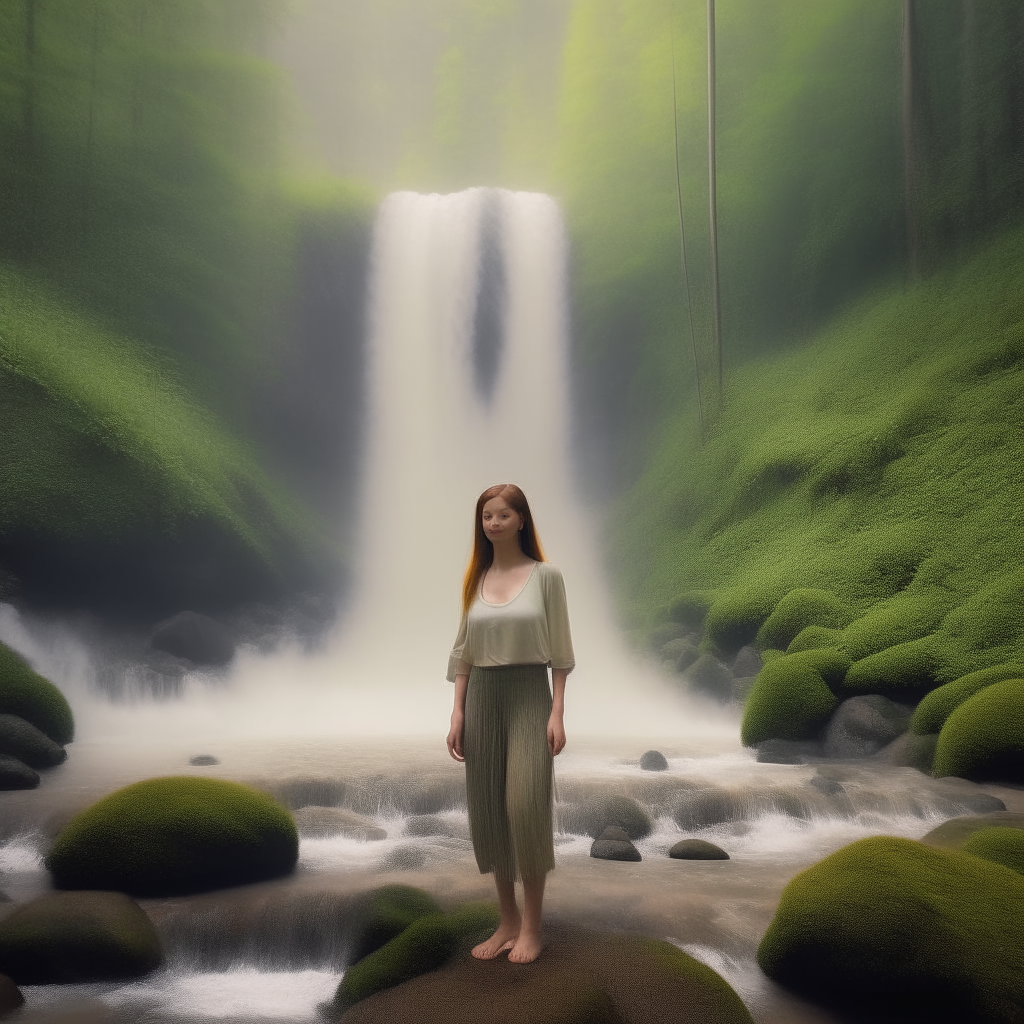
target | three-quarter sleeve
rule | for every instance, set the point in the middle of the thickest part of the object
(458, 649)
(557, 610)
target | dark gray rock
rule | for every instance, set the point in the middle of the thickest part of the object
(910, 751)
(201, 760)
(829, 787)
(196, 637)
(697, 849)
(706, 807)
(707, 675)
(14, 774)
(435, 825)
(685, 653)
(747, 662)
(623, 812)
(741, 687)
(28, 744)
(614, 844)
(404, 858)
(862, 726)
(777, 751)
(10, 996)
(653, 761)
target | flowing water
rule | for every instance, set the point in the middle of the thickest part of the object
(468, 386)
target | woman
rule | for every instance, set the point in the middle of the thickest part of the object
(507, 724)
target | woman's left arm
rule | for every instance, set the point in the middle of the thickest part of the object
(556, 730)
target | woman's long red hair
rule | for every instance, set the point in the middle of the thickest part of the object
(483, 549)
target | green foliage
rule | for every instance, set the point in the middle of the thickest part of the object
(387, 912)
(905, 671)
(901, 931)
(28, 695)
(931, 714)
(735, 617)
(426, 944)
(175, 835)
(928, 549)
(800, 608)
(1000, 845)
(810, 638)
(78, 937)
(793, 696)
(984, 737)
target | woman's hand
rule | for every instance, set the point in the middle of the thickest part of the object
(556, 733)
(455, 736)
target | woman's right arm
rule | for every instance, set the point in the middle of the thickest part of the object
(455, 733)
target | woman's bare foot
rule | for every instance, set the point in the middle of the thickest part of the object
(504, 938)
(526, 949)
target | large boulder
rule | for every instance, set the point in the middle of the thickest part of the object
(898, 930)
(931, 714)
(905, 671)
(10, 996)
(813, 638)
(581, 977)
(28, 744)
(984, 737)
(28, 695)
(910, 751)
(15, 774)
(384, 913)
(592, 817)
(793, 696)
(176, 835)
(76, 937)
(862, 726)
(747, 662)
(198, 638)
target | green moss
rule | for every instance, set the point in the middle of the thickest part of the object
(1000, 845)
(984, 737)
(931, 714)
(770, 655)
(387, 912)
(896, 621)
(800, 608)
(812, 638)
(793, 698)
(902, 931)
(952, 834)
(690, 609)
(424, 945)
(78, 937)
(28, 695)
(735, 617)
(175, 835)
(906, 671)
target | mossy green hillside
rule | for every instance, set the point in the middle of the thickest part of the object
(1000, 845)
(984, 737)
(931, 714)
(881, 462)
(28, 695)
(175, 835)
(100, 437)
(902, 931)
(427, 943)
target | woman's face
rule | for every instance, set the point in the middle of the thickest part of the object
(500, 520)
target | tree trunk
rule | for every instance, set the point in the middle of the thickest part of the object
(910, 190)
(713, 194)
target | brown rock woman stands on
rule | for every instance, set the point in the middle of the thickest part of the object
(507, 722)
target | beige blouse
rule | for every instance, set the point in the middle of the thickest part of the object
(532, 628)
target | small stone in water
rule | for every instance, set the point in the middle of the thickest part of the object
(203, 759)
(827, 786)
(653, 761)
(697, 849)
(614, 844)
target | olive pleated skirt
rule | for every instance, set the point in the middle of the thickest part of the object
(509, 776)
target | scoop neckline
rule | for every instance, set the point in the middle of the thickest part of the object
(501, 604)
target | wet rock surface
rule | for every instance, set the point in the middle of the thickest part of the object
(697, 849)
(28, 744)
(15, 774)
(10, 996)
(197, 638)
(862, 726)
(776, 751)
(614, 844)
(747, 662)
(653, 761)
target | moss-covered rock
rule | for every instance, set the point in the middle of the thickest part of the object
(911, 751)
(76, 937)
(28, 744)
(984, 737)
(902, 931)
(799, 609)
(28, 695)
(385, 913)
(793, 696)
(931, 714)
(736, 616)
(1000, 845)
(811, 638)
(904, 672)
(426, 944)
(952, 834)
(175, 835)
(905, 617)
(690, 609)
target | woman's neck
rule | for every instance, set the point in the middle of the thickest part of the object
(508, 554)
